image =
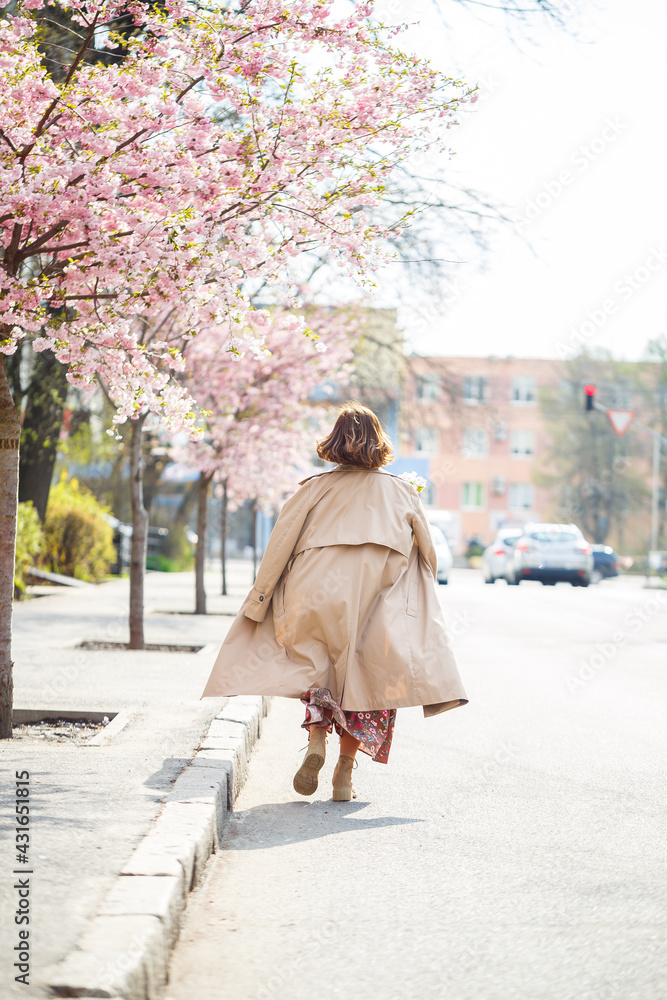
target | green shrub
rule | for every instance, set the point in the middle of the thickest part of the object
(179, 552)
(29, 542)
(475, 548)
(78, 539)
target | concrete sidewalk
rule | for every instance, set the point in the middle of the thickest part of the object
(92, 805)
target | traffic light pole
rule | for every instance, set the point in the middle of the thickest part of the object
(658, 441)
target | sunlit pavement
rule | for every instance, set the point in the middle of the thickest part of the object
(512, 848)
(90, 807)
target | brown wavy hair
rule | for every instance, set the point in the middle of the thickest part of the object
(357, 439)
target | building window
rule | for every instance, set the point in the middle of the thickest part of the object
(499, 486)
(473, 496)
(522, 444)
(474, 443)
(521, 496)
(500, 431)
(426, 440)
(428, 387)
(524, 391)
(474, 390)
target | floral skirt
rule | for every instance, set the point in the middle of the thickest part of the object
(374, 730)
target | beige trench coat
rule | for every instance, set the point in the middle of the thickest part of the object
(345, 599)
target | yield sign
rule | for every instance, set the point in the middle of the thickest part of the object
(620, 420)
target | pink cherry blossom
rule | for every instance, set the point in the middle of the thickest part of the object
(261, 418)
(225, 143)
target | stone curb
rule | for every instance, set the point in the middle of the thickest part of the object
(124, 953)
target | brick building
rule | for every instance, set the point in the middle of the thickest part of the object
(477, 422)
(475, 429)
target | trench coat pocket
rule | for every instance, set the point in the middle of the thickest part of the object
(278, 599)
(413, 598)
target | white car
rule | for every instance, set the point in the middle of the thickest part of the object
(443, 554)
(497, 554)
(549, 553)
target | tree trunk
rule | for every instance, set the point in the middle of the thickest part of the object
(40, 430)
(223, 537)
(139, 536)
(10, 434)
(200, 556)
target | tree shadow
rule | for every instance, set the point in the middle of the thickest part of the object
(277, 824)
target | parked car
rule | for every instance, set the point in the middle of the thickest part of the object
(606, 562)
(443, 554)
(551, 553)
(495, 555)
(122, 540)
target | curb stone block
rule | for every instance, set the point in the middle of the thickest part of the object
(203, 786)
(158, 895)
(248, 711)
(228, 733)
(100, 974)
(142, 935)
(234, 761)
(160, 855)
(124, 954)
(221, 760)
(193, 822)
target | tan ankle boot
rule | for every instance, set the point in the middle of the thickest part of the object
(343, 789)
(305, 779)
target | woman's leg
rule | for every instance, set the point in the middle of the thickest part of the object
(348, 744)
(343, 789)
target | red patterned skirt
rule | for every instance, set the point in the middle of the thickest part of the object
(374, 730)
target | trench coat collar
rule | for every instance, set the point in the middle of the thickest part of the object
(338, 468)
(352, 468)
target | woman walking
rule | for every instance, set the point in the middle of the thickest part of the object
(344, 612)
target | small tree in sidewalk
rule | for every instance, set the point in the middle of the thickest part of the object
(259, 410)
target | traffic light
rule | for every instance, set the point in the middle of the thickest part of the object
(589, 391)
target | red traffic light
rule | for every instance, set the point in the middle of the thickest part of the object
(589, 390)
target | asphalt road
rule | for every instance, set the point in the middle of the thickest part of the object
(512, 849)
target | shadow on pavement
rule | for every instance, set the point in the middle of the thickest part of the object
(279, 823)
(171, 768)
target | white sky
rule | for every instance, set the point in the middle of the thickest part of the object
(539, 105)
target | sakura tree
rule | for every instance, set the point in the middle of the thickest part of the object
(261, 419)
(220, 144)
